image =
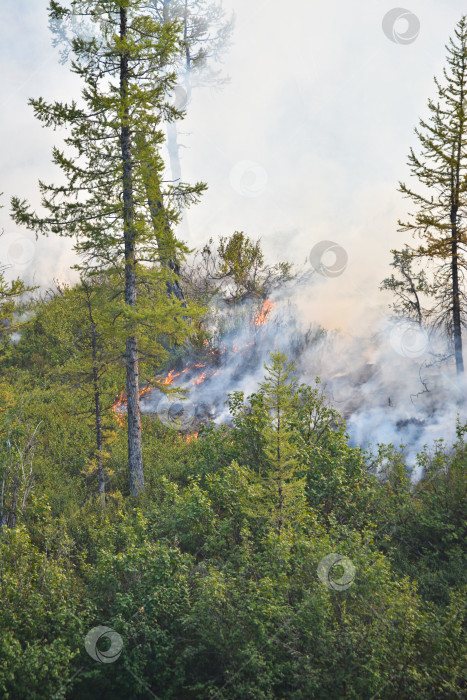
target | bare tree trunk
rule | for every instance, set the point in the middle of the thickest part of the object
(413, 289)
(456, 307)
(97, 401)
(456, 303)
(135, 456)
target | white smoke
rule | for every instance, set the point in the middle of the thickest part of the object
(388, 384)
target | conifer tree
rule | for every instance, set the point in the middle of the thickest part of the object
(440, 206)
(97, 351)
(206, 33)
(115, 171)
(410, 287)
(282, 488)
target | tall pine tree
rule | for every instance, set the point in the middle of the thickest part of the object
(115, 170)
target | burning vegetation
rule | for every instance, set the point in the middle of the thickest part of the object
(263, 314)
(197, 372)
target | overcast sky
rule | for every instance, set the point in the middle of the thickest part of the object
(306, 143)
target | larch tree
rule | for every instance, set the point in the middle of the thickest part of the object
(410, 287)
(93, 366)
(281, 490)
(441, 205)
(207, 32)
(114, 172)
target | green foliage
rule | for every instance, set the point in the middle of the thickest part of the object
(115, 201)
(409, 286)
(212, 583)
(439, 204)
(40, 617)
(235, 271)
(223, 581)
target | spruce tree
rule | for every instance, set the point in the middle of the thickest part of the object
(440, 206)
(115, 171)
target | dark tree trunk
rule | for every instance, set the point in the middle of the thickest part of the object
(163, 244)
(97, 402)
(456, 302)
(417, 305)
(456, 306)
(135, 456)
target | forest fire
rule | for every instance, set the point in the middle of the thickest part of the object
(118, 413)
(262, 315)
(198, 372)
(200, 379)
(169, 378)
(122, 401)
(241, 348)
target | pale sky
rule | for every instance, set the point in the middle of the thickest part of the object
(306, 143)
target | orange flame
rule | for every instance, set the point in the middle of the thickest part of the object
(118, 414)
(262, 315)
(241, 348)
(200, 379)
(169, 378)
(122, 401)
(145, 391)
(259, 320)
